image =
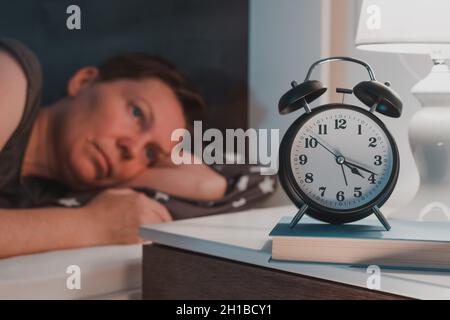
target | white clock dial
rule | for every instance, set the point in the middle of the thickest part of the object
(341, 159)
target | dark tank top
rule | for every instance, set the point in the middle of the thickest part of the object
(29, 192)
(12, 191)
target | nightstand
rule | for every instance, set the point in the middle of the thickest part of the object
(228, 257)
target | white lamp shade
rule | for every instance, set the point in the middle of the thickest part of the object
(405, 26)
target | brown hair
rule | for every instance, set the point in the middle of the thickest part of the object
(137, 66)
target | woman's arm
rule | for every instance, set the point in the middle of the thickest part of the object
(36, 230)
(196, 182)
(191, 181)
(113, 217)
(13, 85)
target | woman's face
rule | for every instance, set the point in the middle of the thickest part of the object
(112, 131)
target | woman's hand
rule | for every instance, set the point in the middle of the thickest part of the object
(117, 214)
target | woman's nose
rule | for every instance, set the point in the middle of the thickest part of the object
(130, 148)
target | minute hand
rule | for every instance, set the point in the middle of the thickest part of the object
(323, 146)
(359, 167)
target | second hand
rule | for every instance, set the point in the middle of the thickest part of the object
(343, 172)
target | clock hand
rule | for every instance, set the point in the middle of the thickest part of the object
(343, 172)
(359, 167)
(324, 146)
(354, 170)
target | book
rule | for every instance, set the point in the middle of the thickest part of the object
(409, 244)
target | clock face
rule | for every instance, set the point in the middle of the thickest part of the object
(342, 158)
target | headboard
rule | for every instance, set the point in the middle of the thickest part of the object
(207, 40)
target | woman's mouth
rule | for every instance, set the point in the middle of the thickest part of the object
(102, 162)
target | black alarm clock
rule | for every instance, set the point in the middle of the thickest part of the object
(338, 162)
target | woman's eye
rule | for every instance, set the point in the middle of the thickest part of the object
(137, 112)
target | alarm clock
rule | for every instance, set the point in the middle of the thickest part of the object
(338, 162)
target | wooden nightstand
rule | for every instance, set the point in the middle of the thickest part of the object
(170, 273)
(228, 257)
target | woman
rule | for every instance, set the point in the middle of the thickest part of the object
(70, 172)
(111, 130)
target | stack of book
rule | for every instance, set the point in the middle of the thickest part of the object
(409, 244)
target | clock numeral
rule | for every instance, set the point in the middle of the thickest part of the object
(358, 192)
(378, 161)
(310, 142)
(372, 142)
(322, 189)
(323, 129)
(309, 177)
(340, 196)
(359, 129)
(340, 123)
(303, 159)
(372, 179)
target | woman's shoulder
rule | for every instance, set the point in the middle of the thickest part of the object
(20, 86)
(13, 87)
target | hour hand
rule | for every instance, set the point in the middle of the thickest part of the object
(354, 170)
(359, 167)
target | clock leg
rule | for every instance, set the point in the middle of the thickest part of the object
(298, 216)
(382, 219)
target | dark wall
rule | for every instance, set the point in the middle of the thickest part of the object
(207, 40)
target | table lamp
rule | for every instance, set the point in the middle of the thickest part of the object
(419, 27)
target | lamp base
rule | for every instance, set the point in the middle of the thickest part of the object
(429, 138)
